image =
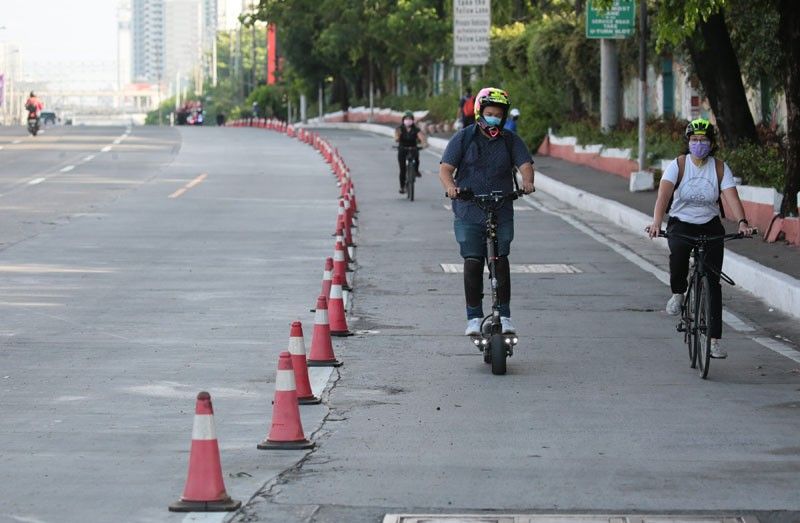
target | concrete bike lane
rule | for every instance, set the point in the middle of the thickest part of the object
(599, 411)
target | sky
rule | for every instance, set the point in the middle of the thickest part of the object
(61, 30)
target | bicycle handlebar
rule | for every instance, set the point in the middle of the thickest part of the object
(695, 239)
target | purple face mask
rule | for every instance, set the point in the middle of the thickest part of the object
(700, 149)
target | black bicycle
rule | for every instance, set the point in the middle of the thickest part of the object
(495, 345)
(412, 168)
(696, 307)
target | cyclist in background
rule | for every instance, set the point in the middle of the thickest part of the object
(485, 156)
(408, 134)
(695, 211)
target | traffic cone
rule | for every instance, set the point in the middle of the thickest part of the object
(297, 348)
(205, 489)
(340, 239)
(340, 265)
(321, 354)
(286, 432)
(326, 276)
(338, 322)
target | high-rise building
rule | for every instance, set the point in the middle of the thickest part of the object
(148, 40)
(172, 39)
(124, 44)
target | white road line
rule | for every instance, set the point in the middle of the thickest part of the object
(89, 158)
(36, 181)
(728, 317)
(116, 142)
(16, 142)
(67, 169)
(777, 346)
(1, 147)
(105, 149)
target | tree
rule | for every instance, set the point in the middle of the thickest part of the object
(789, 36)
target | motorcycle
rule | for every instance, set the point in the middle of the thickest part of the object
(33, 123)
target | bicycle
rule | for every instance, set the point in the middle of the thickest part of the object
(696, 306)
(494, 345)
(412, 168)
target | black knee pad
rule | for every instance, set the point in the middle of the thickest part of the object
(473, 280)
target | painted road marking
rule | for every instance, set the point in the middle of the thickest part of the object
(521, 268)
(67, 169)
(182, 190)
(2, 147)
(36, 181)
(116, 142)
(737, 324)
(89, 158)
(16, 142)
(105, 149)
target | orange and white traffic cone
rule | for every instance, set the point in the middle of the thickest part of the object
(286, 432)
(340, 265)
(297, 348)
(338, 322)
(321, 354)
(326, 277)
(205, 489)
(346, 250)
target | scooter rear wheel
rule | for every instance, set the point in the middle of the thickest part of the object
(498, 354)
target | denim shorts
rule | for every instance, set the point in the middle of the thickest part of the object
(471, 237)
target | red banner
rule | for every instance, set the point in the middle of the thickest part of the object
(272, 54)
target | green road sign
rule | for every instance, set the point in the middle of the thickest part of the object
(618, 21)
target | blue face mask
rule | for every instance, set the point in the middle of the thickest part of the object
(492, 121)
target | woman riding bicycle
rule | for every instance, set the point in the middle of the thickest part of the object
(485, 156)
(696, 187)
(407, 136)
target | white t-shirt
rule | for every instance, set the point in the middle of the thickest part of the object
(695, 199)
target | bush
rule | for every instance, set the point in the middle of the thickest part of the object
(756, 164)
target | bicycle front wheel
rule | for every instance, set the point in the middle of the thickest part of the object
(411, 176)
(688, 320)
(703, 342)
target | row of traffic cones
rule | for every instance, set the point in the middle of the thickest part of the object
(205, 489)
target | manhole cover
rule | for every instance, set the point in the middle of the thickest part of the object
(522, 268)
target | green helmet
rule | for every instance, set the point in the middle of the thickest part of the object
(408, 114)
(700, 126)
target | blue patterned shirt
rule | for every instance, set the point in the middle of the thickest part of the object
(485, 167)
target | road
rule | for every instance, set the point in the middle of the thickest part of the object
(121, 303)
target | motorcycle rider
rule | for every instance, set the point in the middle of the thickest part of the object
(33, 105)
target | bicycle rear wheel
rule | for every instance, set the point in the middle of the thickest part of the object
(703, 342)
(411, 177)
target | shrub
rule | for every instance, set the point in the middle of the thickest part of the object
(756, 164)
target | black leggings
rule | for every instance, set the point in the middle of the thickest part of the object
(401, 159)
(679, 251)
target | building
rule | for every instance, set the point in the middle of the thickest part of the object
(172, 40)
(124, 45)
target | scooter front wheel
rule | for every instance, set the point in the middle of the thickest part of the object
(497, 348)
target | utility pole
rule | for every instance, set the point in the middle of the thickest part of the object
(642, 80)
(609, 84)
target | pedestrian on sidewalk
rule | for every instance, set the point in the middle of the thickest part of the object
(696, 188)
(511, 123)
(485, 156)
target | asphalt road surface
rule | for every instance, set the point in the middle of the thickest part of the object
(174, 260)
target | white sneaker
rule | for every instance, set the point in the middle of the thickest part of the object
(717, 351)
(508, 327)
(473, 327)
(674, 304)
